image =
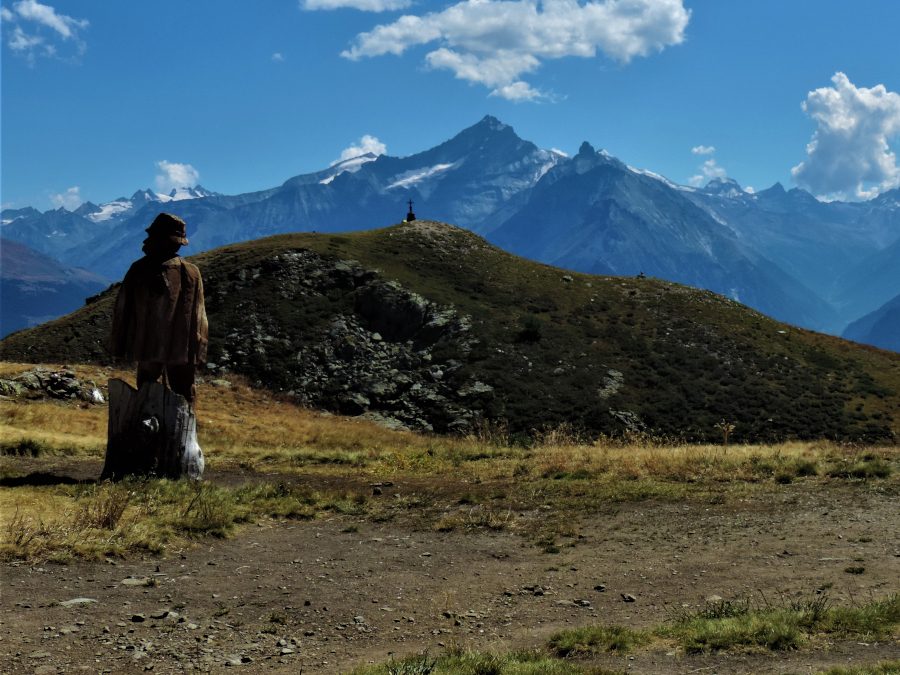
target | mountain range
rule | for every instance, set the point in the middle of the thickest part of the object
(810, 263)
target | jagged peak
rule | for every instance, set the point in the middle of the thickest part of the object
(724, 187)
(586, 149)
(492, 123)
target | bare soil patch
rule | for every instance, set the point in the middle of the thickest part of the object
(337, 592)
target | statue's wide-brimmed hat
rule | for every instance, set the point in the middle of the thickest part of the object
(167, 226)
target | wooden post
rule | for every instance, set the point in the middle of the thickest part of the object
(151, 432)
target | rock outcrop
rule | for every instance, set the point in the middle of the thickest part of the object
(390, 354)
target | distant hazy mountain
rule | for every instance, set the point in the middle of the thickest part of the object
(71, 236)
(594, 214)
(35, 288)
(870, 283)
(815, 264)
(840, 250)
(880, 328)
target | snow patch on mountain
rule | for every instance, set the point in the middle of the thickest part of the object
(553, 157)
(414, 176)
(110, 210)
(182, 193)
(661, 179)
(351, 165)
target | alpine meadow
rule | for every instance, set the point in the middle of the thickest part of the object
(452, 337)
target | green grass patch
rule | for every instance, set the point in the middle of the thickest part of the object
(883, 668)
(458, 662)
(29, 447)
(734, 626)
(866, 467)
(590, 640)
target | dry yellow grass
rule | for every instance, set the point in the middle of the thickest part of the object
(241, 427)
(239, 424)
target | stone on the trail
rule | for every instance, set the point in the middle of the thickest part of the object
(233, 661)
(600, 588)
(628, 597)
(136, 581)
(712, 599)
(138, 618)
(583, 603)
(74, 602)
(162, 614)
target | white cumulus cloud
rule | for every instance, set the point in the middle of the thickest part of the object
(34, 29)
(849, 156)
(363, 5)
(174, 175)
(278, 57)
(495, 42)
(69, 200)
(366, 145)
(709, 169)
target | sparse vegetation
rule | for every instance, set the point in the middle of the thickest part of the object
(719, 626)
(461, 662)
(597, 640)
(882, 668)
(722, 626)
(115, 519)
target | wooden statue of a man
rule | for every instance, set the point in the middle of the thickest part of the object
(159, 319)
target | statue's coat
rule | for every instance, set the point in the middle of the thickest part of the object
(159, 315)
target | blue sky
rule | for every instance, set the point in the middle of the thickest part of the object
(101, 98)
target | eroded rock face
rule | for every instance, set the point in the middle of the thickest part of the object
(338, 336)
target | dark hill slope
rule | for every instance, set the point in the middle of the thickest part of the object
(428, 324)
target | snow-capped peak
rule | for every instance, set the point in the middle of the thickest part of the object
(181, 193)
(351, 165)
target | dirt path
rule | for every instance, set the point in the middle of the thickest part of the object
(332, 594)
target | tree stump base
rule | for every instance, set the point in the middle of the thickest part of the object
(152, 432)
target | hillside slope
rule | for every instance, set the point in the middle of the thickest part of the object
(428, 325)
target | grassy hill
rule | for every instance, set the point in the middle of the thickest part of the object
(428, 325)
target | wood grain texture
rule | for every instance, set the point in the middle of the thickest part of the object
(152, 431)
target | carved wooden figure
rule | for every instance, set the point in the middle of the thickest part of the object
(152, 431)
(159, 320)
